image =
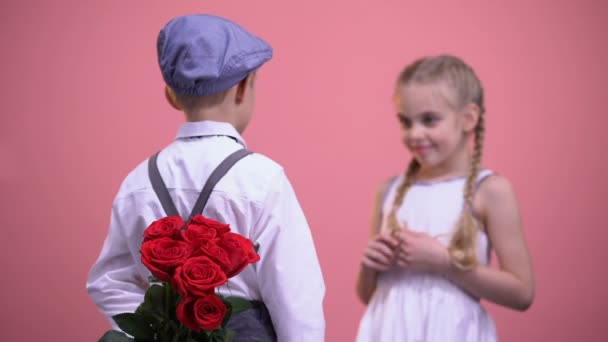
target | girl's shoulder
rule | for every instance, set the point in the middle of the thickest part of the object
(491, 184)
(387, 185)
(494, 194)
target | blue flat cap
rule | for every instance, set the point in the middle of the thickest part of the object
(203, 54)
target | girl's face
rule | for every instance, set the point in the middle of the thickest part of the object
(434, 129)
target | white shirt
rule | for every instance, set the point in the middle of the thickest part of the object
(254, 197)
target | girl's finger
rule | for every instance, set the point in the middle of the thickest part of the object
(378, 257)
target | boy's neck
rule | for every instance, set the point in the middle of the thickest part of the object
(215, 114)
(228, 116)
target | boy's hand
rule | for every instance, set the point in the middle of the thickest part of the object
(380, 253)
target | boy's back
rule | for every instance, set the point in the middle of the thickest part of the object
(254, 197)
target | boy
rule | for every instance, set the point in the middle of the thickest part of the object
(209, 65)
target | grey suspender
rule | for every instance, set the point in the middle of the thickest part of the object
(163, 194)
(160, 188)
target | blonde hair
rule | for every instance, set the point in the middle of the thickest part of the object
(468, 89)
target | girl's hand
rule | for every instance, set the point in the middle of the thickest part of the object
(420, 251)
(380, 253)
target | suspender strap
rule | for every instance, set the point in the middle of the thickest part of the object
(215, 177)
(163, 194)
(160, 188)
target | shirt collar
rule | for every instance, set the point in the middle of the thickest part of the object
(209, 128)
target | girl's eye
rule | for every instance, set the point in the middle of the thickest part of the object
(405, 122)
(430, 120)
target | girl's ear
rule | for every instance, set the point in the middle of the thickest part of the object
(471, 117)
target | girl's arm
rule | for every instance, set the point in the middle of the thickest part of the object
(377, 253)
(513, 284)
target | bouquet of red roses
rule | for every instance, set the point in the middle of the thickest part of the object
(187, 262)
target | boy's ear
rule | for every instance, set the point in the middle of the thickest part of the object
(172, 98)
(471, 117)
(244, 86)
(252, 78)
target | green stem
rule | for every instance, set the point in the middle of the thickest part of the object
(168, 306)
(168, 299)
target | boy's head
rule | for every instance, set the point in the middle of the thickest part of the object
(209, 65)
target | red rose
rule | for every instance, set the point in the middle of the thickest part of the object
(205, 312)
(200, 220)
(161, 256)
(252, 255)
(166, 227)
(198, 276)
(196, 235)
(240, 253)
(214, 252)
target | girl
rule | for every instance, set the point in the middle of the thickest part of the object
(425, 267)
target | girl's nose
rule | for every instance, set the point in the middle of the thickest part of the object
(416, 132)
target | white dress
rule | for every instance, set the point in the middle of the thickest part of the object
(410, 306)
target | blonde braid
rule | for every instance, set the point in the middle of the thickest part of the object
(408, 180)
(463, 245)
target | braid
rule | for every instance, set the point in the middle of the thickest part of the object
(408, 180)
(463, 246)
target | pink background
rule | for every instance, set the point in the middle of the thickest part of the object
(82, 104)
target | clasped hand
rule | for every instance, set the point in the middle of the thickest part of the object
(407, 249)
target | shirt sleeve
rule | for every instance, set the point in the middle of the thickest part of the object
(289, 274)
(114, 283)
